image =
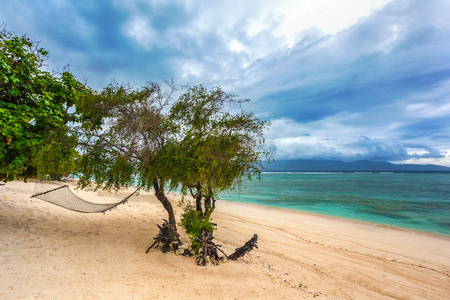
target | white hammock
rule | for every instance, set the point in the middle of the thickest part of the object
(62, 196)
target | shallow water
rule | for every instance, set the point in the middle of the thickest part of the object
(419, 201)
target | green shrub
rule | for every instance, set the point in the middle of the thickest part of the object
(194, 222)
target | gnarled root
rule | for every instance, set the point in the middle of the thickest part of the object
(249, 245)
(208, 250)
(167, 236)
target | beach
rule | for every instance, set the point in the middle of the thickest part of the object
(48, 252)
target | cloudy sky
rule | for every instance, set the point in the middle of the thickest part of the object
(338, 79)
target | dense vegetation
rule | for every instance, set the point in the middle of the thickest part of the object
(34, 112)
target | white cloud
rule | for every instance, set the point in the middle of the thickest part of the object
(191, 69)
(236, 46)
(139, 29)
(329, 16)
(261, 28)
(326, 138)
(348, 137)
(429, 110)
(444, 161)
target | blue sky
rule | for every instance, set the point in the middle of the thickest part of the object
(338, 79)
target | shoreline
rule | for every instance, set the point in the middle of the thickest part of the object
(347, 219)
(51, 252)
(416, 202)
(362, 222)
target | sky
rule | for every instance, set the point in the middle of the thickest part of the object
(338, 79)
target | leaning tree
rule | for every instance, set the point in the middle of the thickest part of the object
(123, 137)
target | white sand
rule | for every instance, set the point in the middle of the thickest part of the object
(48, 252)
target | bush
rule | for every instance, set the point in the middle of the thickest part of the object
(194, 222)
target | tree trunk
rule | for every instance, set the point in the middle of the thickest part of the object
(198, 199)
(198, 202)
(159, 193)
(168, 235)
(210, 205)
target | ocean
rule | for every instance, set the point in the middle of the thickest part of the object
(418, 201)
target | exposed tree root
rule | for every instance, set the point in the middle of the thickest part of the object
(208, 250)
(167, 236)
(249, 245)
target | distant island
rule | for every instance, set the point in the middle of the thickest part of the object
(317, 165)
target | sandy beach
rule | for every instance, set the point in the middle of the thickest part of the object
(48, 252)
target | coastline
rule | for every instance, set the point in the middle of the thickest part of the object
(412, 201)
(50, 252)
(343, 219)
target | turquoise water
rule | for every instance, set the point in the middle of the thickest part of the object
(419, 201)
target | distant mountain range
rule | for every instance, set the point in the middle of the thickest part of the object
(315, 165)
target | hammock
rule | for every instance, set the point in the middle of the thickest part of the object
(62, 196)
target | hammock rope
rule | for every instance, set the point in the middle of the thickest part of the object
(61, 195)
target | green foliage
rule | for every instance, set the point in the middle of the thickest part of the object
(221, 143)
(203, 142)
(33, 111)
(123, 137)
(54, 158)
(194, 222)
(132, 135)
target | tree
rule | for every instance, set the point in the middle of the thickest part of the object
(34, 112)
(220, 146)
(124, 137)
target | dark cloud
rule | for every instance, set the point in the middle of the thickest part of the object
(378, 150)
(426, 127)
(91, 36)
(365, 92)
(387, 56)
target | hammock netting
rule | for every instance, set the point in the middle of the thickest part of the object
(61, 195)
